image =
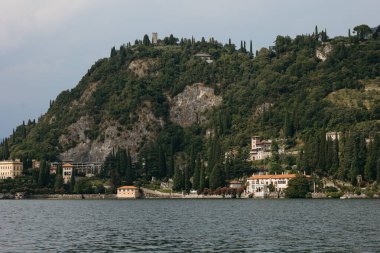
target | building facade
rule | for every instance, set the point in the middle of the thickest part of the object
(259, 185)
(333, 136)
(260, 149)
(10, 169)
(67, 170)
(128, 192)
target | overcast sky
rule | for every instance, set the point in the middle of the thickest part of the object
(46, 46)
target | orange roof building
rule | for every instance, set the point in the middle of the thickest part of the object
(258, 185)
(128, 192)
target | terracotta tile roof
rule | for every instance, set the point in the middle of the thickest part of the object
(127, 187)
(235, 182)
(67, 165)
(279, 176)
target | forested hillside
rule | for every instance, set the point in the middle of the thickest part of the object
(127, 108)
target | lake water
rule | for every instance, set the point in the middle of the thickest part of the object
(190, 225)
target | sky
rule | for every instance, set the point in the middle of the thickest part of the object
(46, 46)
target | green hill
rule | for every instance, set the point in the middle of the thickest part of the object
(167, 105)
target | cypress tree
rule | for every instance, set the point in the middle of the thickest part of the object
(5, 149)
(58, 178)
(250, 48)
(202, 183)
(129, 172)
(113, 52)
(335, 157)
(378, 171)
(216, 177)
(72, 182)
(192, 159)
(197, 171)
(370, 166)
(44, 174)
(146, 41)
(162, 162)
(177, 179)
(187, 183)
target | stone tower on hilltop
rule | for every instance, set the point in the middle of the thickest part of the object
(154, 38)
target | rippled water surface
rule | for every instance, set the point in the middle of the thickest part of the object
(190, 225)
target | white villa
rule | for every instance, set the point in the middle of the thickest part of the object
(258, 185)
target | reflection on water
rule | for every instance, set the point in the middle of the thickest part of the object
(190, 225)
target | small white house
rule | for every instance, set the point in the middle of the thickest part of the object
(128, 192)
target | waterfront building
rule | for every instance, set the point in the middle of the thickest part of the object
(235, 184)
(67, 170)
(10, 169)
(259, 185)
(128, 192)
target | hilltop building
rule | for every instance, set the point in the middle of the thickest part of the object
(128, 192)
(204, 56)
(10, 169)
(333, 136)
(154, 38)
(260, 149)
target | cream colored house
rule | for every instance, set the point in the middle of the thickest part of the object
(67, 170)
(258, 185)
(128, 192)
(10, 169)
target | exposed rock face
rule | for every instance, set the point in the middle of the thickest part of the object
(86, 95)
(113, 136)
(140, 67)
(323, 52)
(190, 106)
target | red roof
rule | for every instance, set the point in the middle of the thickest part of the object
(279, 176)
(127, 187)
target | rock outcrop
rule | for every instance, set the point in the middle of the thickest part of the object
(190, 106)
(323, 52)
(113, 136)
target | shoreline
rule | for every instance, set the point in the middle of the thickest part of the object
(176, 196)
